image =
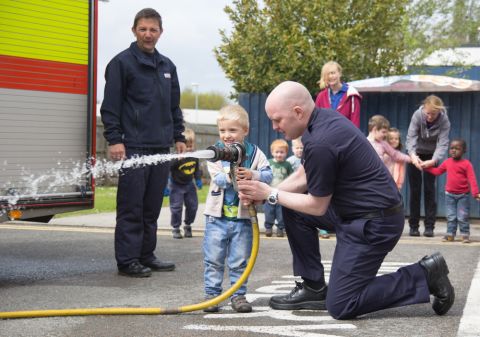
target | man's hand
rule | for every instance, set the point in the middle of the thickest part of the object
(253, 190)
(116, 152)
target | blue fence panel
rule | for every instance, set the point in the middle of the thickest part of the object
(397, 107)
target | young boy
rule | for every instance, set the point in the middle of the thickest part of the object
(281, 169)
(460, 180)
(297, 148)
(228, 230)
(182, 189)
(378, 127)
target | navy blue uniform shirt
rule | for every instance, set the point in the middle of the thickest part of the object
(141, 104)
(339, 160)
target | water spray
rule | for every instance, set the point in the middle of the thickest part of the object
(235, 154)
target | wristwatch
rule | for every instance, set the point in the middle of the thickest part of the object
(273, 197)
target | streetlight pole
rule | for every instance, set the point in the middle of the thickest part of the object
(195, 86)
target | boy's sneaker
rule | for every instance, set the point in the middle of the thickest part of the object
(213, 308)
(240, 304)
(279, 232)
(176, 233)
(268, 232)
(466, 239)
(187, 231)
(448, 238)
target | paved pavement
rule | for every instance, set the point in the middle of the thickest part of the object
(108, 220)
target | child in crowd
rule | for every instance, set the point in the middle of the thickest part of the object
(396, 168)
(182, 189)
(228, 230)
(281, 169)
(460, 180)
(377, 132)
(297, 148)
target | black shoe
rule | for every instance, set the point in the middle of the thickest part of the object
(438, 283)
(157, 265)
(135, 269)
(176, 233)
(414, 232)
(187, 231)
(301, 297)
(428, 232)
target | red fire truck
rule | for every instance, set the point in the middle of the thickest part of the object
(47, 105)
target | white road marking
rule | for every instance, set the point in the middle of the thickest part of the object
(285, 315)
(283, 330)
(469, 326)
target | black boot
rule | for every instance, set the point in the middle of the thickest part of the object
(438, 283)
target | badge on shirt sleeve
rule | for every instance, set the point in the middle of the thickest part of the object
(167, 75)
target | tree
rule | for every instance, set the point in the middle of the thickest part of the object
(207, 101)
(291, 39)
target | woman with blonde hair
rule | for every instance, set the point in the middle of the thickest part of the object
(427, 144)
(336, 95)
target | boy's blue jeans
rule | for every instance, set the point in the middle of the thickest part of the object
(458, 209)
(229, 240)
(273, 212)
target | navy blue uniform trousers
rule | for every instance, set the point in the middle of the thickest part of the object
(139, 200)
(362, 244)
(183, 194)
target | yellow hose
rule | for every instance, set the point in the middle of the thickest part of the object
(152, 311)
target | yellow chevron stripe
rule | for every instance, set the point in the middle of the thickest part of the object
(53, 30)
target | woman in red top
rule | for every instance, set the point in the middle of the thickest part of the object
(337, 95)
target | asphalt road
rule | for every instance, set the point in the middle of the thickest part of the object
(55, 267)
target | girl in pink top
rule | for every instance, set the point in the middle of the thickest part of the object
(396, 168)
(377, 132)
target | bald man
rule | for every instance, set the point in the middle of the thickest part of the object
(341, 170)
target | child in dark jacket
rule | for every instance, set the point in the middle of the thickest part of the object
(182, 188)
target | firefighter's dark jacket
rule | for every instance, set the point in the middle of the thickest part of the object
(141, 101)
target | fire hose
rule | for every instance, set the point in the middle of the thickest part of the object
(235, 154)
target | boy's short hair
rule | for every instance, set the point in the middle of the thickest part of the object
(234, 112)
(297, 140)
(379, 122)
(189, 135)
(279, 143)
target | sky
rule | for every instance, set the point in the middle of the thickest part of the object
(190, 33)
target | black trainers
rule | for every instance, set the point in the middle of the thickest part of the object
(240, 304)
(280, 233)
(213, 308)
(176, 233)
(414, 232)
(301, 297)
(428, 232)
(187, 231)
(135, 269)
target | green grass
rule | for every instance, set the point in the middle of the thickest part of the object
(105, 201)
